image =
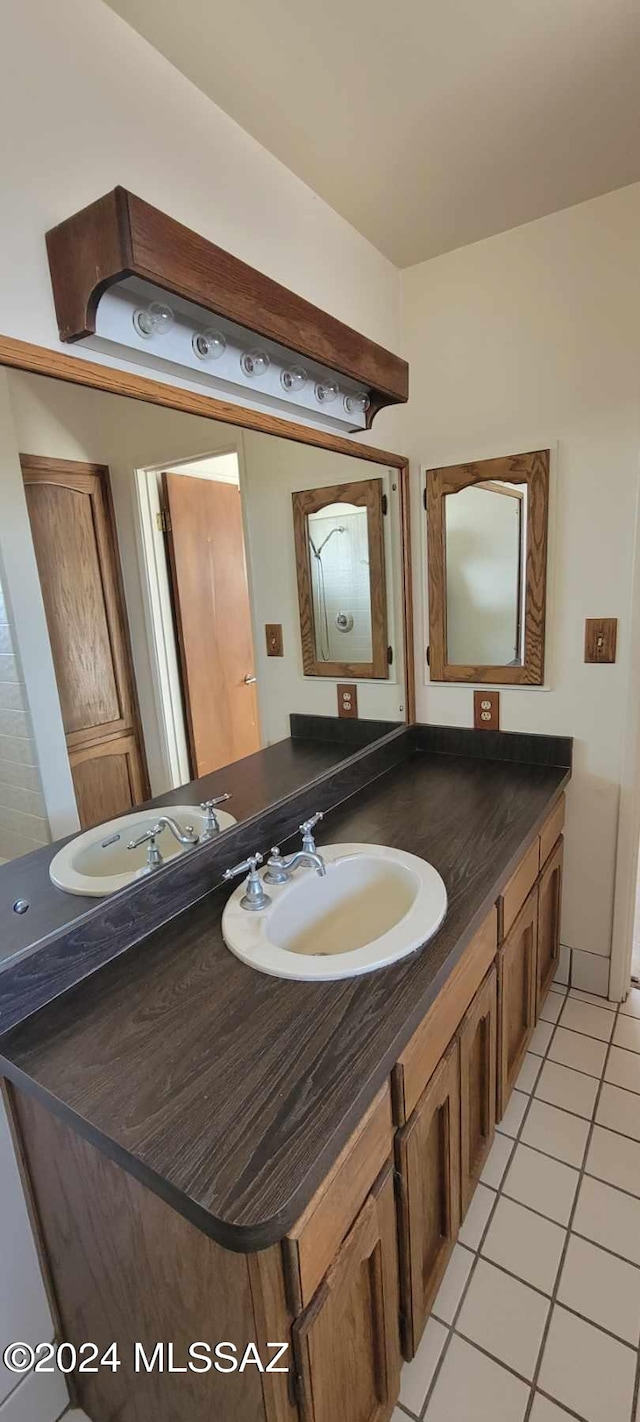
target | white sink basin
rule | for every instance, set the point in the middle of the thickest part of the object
(98, 862)
(373, 907)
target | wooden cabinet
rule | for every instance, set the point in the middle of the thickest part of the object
(549, 909)
(478, 1050)
(346, 1344)
(517, 966)
(428, 1164)
(74, 537)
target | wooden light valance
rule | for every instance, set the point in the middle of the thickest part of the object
(120, 236)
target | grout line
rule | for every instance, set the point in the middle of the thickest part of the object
(563, 1256)
(498, 1196)
(552, 1297)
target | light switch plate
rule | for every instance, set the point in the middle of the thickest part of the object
(486, 710)
(273, 633)
(600, 639)
(348, 700)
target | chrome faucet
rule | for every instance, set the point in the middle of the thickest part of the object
(308, 857)
(154, 857)
(211, 826)
(166, 822)
(254, 897)
(279, 870)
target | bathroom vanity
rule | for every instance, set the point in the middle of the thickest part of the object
(216, 1154)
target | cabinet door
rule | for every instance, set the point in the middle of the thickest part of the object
(517, 963)
(428, 1161)
(347, 1341)
(478, 1056)
(549, 906)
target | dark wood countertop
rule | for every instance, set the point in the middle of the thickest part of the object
(231, 1093)
(255, 783)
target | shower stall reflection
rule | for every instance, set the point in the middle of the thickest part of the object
(340, 582)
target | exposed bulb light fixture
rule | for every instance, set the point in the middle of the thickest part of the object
(153, 320)
(326, 392)
(356, 404)
(254, 363)
(293, 379)
(209, 344)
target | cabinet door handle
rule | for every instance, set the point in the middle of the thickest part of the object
(249, 680)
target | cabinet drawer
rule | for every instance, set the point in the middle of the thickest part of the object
(518, 889)
(420, 1057)
(315, 1238)
(552, 830)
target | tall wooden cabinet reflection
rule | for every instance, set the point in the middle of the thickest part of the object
(74, 537)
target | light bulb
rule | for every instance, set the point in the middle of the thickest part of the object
(254, 363)
(209, 344)
(356, 404)
(293, 379)
(153, 320)
(327, 392)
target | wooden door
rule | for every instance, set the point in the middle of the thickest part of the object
(517, 964)
(428, 1163)
(347, 1342)
(549, 909)
(478, 1058)
(75, 545)
(205, 542)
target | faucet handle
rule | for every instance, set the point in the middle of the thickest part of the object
(217, 800)
(308, 841)
(247, 866)
(255, 897)
(148, 837)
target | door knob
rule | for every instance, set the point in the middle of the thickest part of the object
(249, 680)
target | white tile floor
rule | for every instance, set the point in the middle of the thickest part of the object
(538, 1316)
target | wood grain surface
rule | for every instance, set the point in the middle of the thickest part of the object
(120, 235)
(363, 493)
(531, 469)
(232, 1093)
(64, 938)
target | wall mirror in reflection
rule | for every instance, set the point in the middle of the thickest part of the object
(487, 547)
(150, 656)
(341, 570)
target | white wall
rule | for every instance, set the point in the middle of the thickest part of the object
(63, 421)
(98, 106)
(527, 340)
(23, 817)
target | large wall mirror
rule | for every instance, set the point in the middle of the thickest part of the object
(487, 563)
(341, 570)
(154, 561)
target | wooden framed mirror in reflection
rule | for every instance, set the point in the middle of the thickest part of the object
(487, 569)
(341, 563)
(151, 646)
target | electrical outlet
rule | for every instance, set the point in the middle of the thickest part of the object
(486, 710)
(348, 701)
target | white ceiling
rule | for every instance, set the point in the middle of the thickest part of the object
(427, 123)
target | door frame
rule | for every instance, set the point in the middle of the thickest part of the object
(155, 581)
